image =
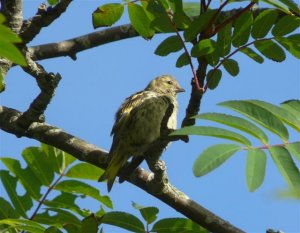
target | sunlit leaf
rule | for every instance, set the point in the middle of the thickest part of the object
(204, 47)
(107, 14)
(236, 122)
(58, 217)
(294, 149)
(231, 66)
(285, 25)
(85, 171)
(291, 5)
(213, 132)
(140, 20)
(123, 220)
(148, 213)
(270, 50)
(213, 157)
(173, 225)
(280, 113)
(191, 8)
(24, 224)
(286, 166)
(169, 45)
(255, 168)
(263, 23)
(277, 5)
(74, 186)
(35, 158)
(293, 106)
(259, 115)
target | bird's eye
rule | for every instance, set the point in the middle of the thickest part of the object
(170, 82)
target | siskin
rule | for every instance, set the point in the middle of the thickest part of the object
(138, 123)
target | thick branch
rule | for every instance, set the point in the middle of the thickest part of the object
(89, 153)
(75, 45)
(72, 46)
(44, 16)
(12, 10)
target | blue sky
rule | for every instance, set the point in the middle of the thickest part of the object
(93, 87)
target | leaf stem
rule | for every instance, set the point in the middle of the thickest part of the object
(230, 55)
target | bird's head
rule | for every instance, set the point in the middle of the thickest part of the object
(165, 84)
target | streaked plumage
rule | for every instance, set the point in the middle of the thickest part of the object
(138, 122)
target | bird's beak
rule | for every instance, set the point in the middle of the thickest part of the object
(179, 89)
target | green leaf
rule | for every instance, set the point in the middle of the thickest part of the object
(35, 158)
(191, 9)
(259, 115)
(56, 158)
(85, 171)
(67, 201)
(148, 213)
(198, 25)
(7, 35)
(286, 166)
(294, 149)
(182, 60)
(213, 157)
(107, 14)
(177, 225)
(12, 53)
(231, 66)
(255, 168)
(169, 45)
(52, 229)
(204, 47)
(58, 217)
(89, 224)
(242, 29)
(6, 210)
(140, 20)
(237, 123)
(123, 220)
(213, 132)
(72, 228)
(293, 106)
(224, 40)
(21, 203)
(263, 23)
(280, 113)
(270, 50)
(25, 176)
(291, 44)
(52, 2)
(291, 5)
(285, 25)
(24, 224)
(252, 54)
(74, 186)
(213, 78)
(277, 5)
(2, 83)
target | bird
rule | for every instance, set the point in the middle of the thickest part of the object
(138, 123)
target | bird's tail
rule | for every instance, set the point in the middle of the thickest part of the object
(117, 161)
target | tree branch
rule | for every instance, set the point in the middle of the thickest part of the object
(44, 17)
(72, 46)
(89, 153)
